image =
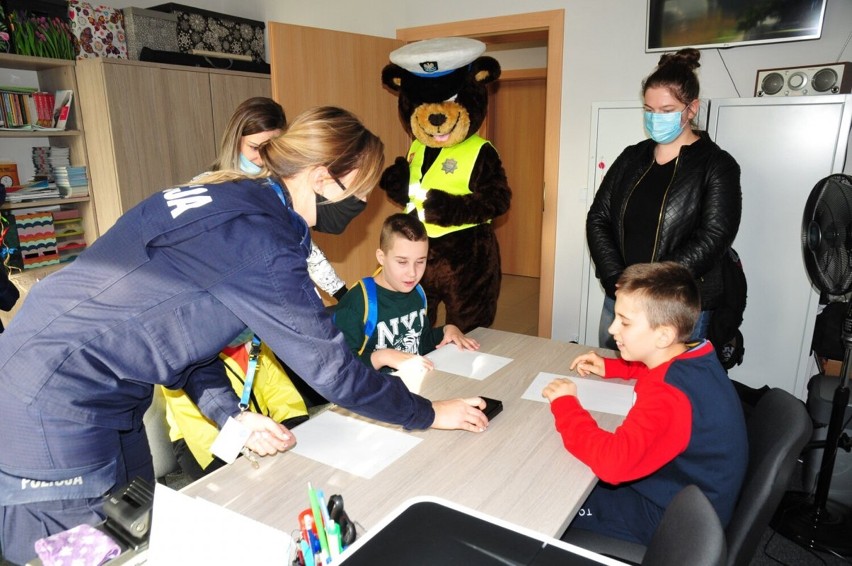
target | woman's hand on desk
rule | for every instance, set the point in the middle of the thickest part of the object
(460, 414)
(268, 437)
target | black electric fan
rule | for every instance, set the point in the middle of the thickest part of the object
(813, 521)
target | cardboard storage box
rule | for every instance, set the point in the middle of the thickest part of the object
(203, 31)
(149, 28)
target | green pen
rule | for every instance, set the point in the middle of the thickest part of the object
(333, 530)
(315, 509)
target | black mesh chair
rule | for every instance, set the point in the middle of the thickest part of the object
(778, 429)
(689, 533)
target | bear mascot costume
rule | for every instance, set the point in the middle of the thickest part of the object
(452, 178)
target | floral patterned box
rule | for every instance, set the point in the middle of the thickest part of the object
(98, 30)
(149, 28)
(203, 30)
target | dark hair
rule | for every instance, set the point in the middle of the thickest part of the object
(403, 225)
(667, 292)
(676, 72)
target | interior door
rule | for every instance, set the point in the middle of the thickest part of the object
(517, 104)
(312, 67)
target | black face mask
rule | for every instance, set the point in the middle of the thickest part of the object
(334, 217)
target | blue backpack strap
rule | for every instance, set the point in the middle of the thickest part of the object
(368, 288)
(371, 309)
(422, 296)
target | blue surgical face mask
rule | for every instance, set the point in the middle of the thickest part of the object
(665, 127)
(249, 167)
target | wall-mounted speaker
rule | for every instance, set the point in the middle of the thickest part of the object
(831, 78)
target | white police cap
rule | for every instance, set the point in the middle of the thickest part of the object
(436, 57)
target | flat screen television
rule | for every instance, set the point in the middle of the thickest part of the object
(710, 24)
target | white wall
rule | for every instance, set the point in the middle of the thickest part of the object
(604, 59)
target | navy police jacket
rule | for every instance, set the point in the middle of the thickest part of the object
(156, 297)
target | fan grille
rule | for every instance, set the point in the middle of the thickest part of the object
(827, 234)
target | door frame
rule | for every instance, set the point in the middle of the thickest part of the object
(552, 24)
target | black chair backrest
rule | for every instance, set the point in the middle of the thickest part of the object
(778, 429)
(689, 533)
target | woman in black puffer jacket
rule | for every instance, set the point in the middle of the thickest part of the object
(673, 197)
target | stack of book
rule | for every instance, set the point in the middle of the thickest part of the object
(36, 189)
(41, 160)
(71, 181)
(23, 108)
(58, 157)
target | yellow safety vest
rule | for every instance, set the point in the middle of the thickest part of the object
(275, 394)
(450, 173)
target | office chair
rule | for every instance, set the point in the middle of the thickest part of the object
(689, 533)
(778, 430)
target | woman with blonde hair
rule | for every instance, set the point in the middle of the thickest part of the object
(154, 300)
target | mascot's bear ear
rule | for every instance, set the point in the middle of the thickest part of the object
(485, 70)
(392, 77)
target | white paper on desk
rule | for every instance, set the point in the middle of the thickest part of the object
(351, 445)
(594, 394)
(467, 363)
(189, 530)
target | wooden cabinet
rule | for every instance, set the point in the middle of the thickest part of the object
(152, 126)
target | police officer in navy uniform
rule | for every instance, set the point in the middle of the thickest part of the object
(154, 300)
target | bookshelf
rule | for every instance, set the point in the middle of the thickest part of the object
(49, 75)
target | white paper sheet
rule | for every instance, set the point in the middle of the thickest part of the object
(594, 395)
(467, 363)
(189, 530)
(351, 445)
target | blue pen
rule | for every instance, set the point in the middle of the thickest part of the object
(323, 508)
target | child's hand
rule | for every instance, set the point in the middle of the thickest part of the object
(559, 387)
(414, 366)
(452, 334)
(589, 363)
(388, 357)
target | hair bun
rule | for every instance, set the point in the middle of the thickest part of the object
(688, 57)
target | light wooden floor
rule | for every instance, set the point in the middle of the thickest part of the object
(517, 307)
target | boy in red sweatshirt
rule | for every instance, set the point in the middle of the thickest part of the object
(686, 426)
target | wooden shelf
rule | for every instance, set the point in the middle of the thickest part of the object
(27, 63)
(38, 133)
(42, 202)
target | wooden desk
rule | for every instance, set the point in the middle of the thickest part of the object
(517, 470)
